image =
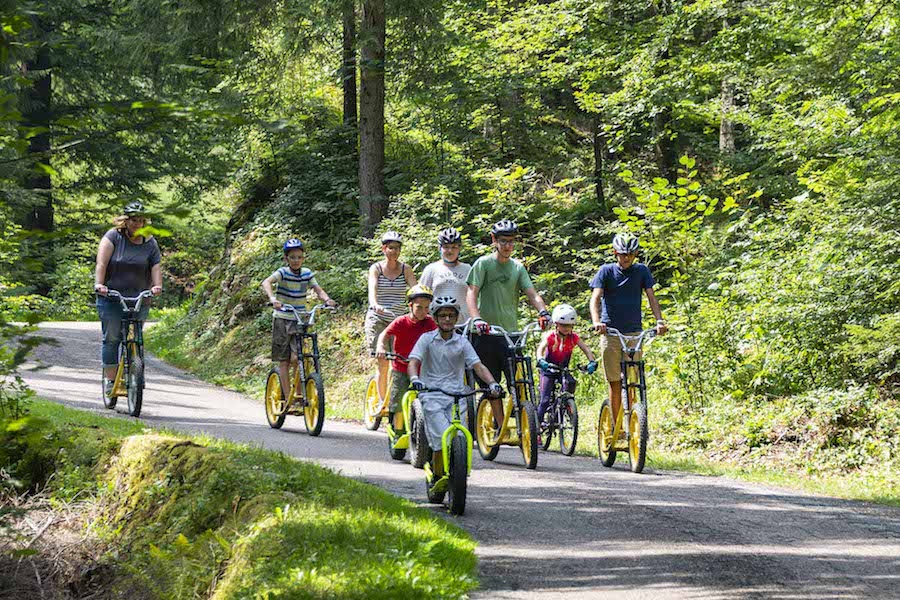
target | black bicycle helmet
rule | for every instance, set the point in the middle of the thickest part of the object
(505, 227)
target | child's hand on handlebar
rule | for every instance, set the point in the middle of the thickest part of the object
(277, 305)
(496, 390)
(381, 353)
(591, 367)
(542, 364)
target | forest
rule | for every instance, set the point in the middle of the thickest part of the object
(753, 145)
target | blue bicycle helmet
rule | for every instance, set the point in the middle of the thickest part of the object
(292, 244)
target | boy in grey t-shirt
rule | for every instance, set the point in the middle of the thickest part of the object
(438, 361)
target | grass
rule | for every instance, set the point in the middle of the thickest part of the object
(195, 516)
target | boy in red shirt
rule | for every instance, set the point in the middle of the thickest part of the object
(556, 347)
(402, 334)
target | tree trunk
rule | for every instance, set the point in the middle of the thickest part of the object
(372, 201)
(348, 71)
(726, 125)
(599, 143)
(664, 148)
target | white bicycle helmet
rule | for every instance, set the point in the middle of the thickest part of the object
(391, 236)
(444, 302)
(505, 227)
(564, 315)
(626, 243)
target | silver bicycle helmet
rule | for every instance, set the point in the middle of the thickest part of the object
(626, 243)
(449, 236)
(134, 209)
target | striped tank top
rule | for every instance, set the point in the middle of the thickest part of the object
(391, 293)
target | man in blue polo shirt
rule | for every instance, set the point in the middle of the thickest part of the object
(616, 303)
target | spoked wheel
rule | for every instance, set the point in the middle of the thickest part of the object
(529, 435)
(459, 474)
(314, 411)
(274, 401)
(418, 443)
(637, 444)
(486, 430)
(135, 382)
(568, 431)
(108, 401)
(372, 406)
(605, 441)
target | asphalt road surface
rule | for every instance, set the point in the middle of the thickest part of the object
(570, 529)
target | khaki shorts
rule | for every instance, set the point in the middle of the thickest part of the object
(283, 341)
(373, 328)
(611, 350)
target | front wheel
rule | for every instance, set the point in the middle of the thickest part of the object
(528, 439)
(637, 443)
(372, 406)
(486, 430)
(568, 430)
(459, 474)
(135, 382)
(418, 443)
(605, 442)
(274, 401)
(314, 411)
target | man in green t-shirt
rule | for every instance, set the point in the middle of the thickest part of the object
(495, 283)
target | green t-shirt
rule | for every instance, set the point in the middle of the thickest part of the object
(501, 284)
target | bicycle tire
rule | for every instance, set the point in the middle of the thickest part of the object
(370, 404)
(274, 395)
(604, 435)
(418, 443)
(568, 429)
(108, 401)
(459, 474)
(528, 439)
(637, 444)
(485, 430)
(314, 411)
(135, 383)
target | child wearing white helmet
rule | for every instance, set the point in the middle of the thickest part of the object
(556, 348)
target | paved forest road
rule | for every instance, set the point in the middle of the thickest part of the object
(571, 529)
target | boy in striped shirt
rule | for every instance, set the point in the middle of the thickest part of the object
(291, 284)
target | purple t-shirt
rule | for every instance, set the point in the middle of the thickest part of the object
(621, 306)
(128, 271)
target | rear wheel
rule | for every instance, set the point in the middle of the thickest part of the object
(459, 474)
(418, 444)
(568, 430)
(372, 406)
(135, 381)
(529, 436)
(605, 441)
(486, 430)
(637, 443)
(314, 411)
(274, 401)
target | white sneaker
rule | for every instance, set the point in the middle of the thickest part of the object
(108, 387)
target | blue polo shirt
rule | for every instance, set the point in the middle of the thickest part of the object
(621, 306)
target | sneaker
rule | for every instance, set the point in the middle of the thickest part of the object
(108, 387)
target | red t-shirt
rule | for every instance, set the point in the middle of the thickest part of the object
(559, 348)
(406, 332)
